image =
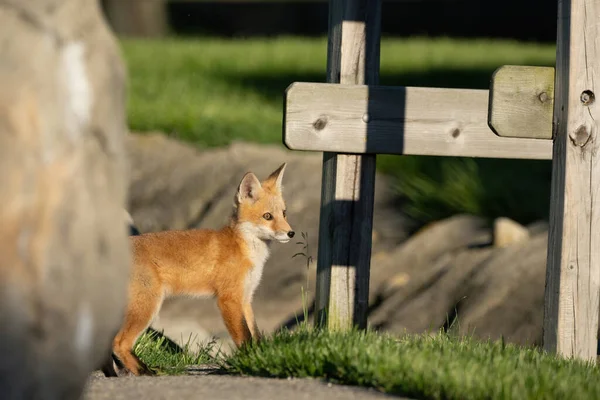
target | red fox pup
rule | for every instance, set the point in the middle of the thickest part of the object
(226, 263)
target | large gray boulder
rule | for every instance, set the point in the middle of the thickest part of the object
(410, 289)
(505, 296)
(64, 256)
(453, 276)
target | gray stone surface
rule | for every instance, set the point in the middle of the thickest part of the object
(478, 289)
(216, 387)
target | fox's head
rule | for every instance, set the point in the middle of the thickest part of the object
(260, 208)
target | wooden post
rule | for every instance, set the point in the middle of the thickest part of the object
(573, 271)
(347, 190)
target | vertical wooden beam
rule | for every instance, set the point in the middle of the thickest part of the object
(573, 270)
(347, 191)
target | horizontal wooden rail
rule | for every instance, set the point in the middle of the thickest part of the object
(365, 119)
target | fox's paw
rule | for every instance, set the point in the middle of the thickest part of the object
(141, 370)
(124, 372)
(148, 372)
(114, 368)
(258, 338)
(144, 370)
(110, 369)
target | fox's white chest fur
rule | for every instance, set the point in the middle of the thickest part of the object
(258, 253)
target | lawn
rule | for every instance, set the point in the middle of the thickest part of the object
(213, 91)
(420, 367)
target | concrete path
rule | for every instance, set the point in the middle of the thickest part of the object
(220, 387)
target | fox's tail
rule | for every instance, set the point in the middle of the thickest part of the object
(133, 230)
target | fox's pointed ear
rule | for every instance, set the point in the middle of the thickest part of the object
(276, 177)
(248, 188)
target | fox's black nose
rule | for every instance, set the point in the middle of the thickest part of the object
(291, 234)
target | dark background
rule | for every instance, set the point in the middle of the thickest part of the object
(527, 20)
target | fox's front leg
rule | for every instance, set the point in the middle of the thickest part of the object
(232, 311)
(251, 321)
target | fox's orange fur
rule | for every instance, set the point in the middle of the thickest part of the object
(225, 263)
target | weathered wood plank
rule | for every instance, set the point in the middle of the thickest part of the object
(348, 184)
(398, 120)
(522, 101)
(573, 271)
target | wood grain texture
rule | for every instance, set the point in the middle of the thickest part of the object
(573, 271)
(398, 120)
(522, 101)
(348, 184)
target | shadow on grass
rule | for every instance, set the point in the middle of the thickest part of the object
(272, 86)
(438, 187)
(166, 343)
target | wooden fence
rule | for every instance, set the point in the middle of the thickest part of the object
(529, 112)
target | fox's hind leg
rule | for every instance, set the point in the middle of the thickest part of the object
(112, 367)
(144, 304)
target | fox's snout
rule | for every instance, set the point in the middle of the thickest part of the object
(283, 230)
(283, 226)
(283, 234)
(287, 237)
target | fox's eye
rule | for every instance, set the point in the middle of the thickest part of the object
(284, 213)
(267, 216)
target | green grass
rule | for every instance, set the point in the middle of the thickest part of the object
(213, 91)
(421, 367)
(418, 366)
(166, 357)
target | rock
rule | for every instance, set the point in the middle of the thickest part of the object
(177, 186)
(504, 297)
(430, 303)
(508, 232)
(485, 291)
(427, 245)
(402, 283)
(538, 227)
(63, 241)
